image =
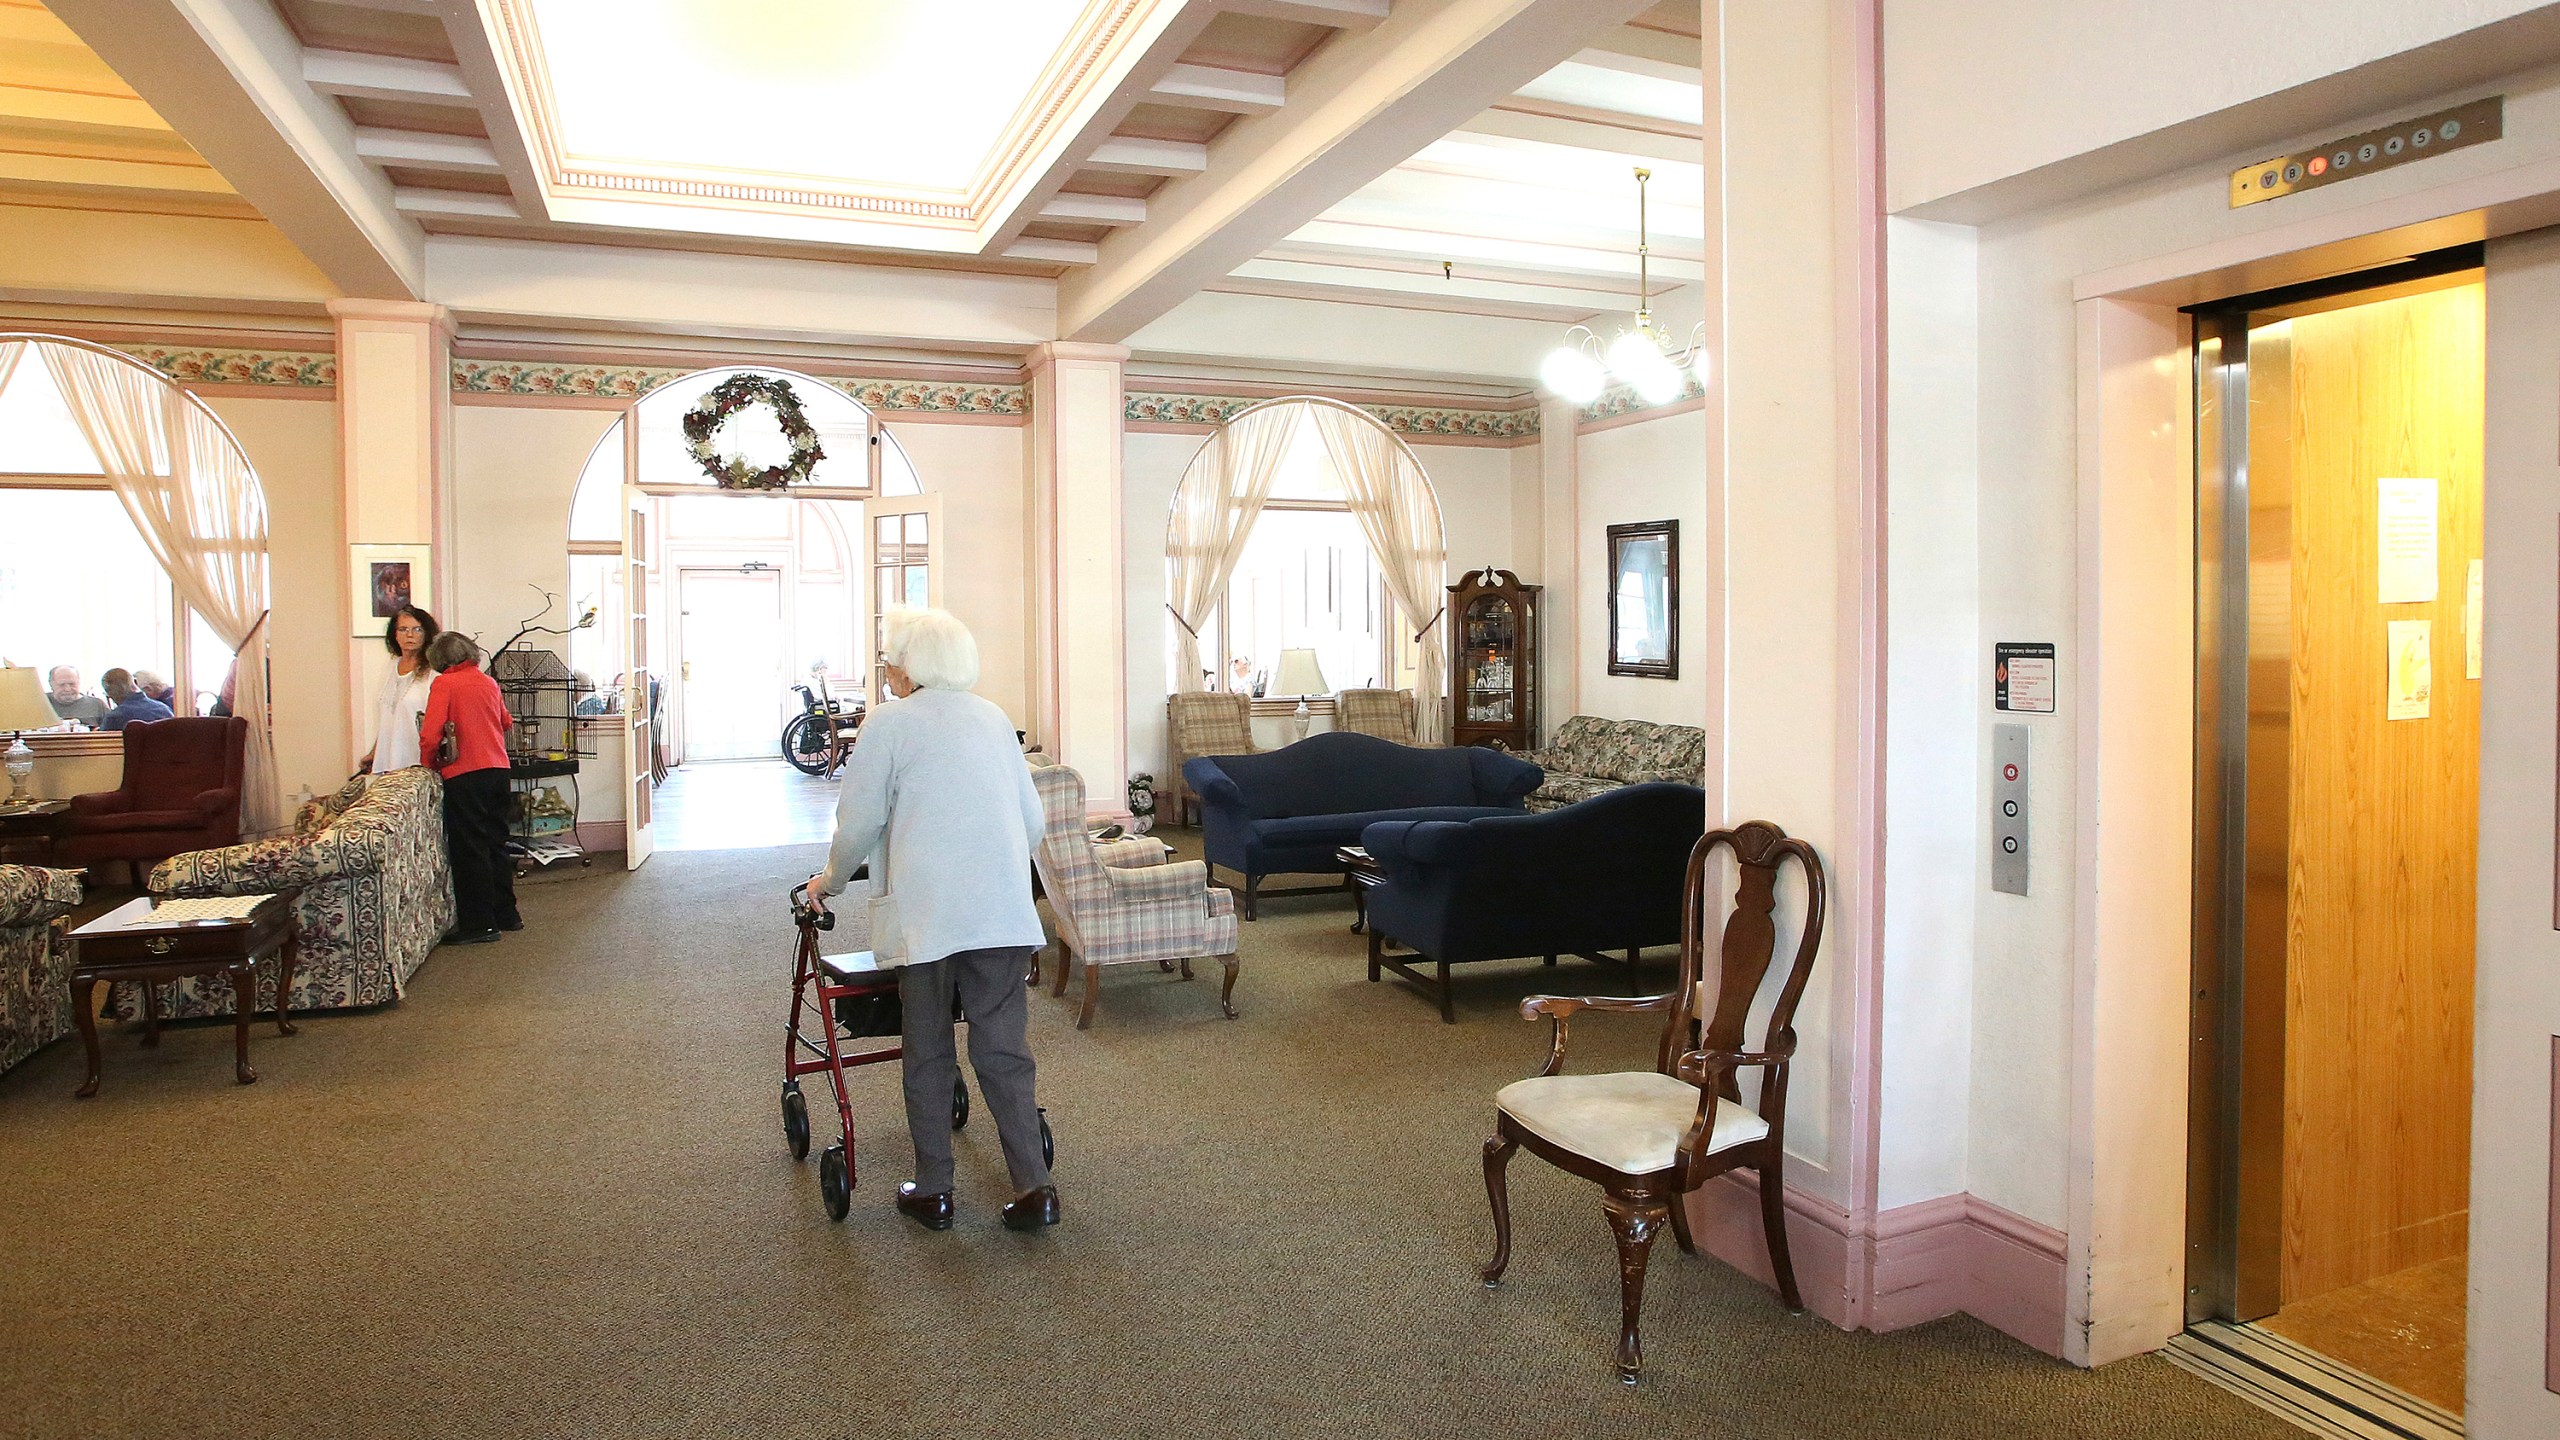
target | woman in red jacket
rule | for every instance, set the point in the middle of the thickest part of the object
(467, 702)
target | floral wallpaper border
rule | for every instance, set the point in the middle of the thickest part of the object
(190, 365)
(1619, 400)
(626, 382)
(1162, 408)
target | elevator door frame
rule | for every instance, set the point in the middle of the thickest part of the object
(2236, 1057)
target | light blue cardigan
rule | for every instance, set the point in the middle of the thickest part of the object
(937, 796)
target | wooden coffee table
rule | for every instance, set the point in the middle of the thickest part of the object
(35, 826)
(124, 945)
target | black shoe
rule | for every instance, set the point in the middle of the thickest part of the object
(1034, 1210)
(932, 1211)
(472, 937)
(513, 925)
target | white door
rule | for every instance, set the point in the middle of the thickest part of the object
(903, 548)
(734, 657)
(639, 729)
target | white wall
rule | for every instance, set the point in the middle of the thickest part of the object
(1983, 90)
(982, 474)
(293, 445)
(1649, 470)
(515, 470)
(2519, 950)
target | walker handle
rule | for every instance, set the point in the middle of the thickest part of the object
(805, 914)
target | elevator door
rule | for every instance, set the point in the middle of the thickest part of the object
(2339, 445)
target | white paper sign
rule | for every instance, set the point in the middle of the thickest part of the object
(2471, 624)
(2412, 669)
(2405, 521)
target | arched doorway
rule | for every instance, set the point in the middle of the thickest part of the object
(106, 458)
(1305, 528)
(714, 604)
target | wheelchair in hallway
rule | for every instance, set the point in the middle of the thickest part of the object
(845, 999)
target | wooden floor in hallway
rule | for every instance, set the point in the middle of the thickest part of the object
(742, 805)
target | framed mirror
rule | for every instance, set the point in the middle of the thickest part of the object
(1644, 599)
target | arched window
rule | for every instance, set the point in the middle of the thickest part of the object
(133, 536)
(1304, 525)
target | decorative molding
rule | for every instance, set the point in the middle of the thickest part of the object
(1158, 407)
(1619, 400)
(630, 382)
(193, 365)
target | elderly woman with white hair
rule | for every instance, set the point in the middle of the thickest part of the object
(937, 798)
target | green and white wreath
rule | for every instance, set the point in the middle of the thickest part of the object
(737, 472)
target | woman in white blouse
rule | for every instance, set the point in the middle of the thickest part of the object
(404, 691)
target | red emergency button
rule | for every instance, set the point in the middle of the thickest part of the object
(2009, 773)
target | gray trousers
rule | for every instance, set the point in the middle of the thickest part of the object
(989, 984)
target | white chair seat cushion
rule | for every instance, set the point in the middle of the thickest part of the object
(1630, 1121)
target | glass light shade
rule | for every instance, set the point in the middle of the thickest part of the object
(1639, 361)
(1703, 365)
(1573, 375)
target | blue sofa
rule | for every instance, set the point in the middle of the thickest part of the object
(1605, 874)
(1286, 811)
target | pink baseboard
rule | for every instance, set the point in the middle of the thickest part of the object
(1955, 1254)
(598, 836)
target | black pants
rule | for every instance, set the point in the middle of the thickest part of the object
(475, 840)
(989, 985)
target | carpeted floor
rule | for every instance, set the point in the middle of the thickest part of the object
(547, 1196)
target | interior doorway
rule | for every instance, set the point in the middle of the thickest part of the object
(733, 624)
(2339, 432)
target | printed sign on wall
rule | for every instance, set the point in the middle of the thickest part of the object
(2022, 677)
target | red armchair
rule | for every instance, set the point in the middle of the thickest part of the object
(181, 792)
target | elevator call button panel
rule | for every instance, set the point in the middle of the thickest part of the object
(2471, 124)
(2009, 809)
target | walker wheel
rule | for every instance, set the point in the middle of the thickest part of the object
(795, 1120)
(835, 1181)
(959, 1103)
(1048, 1142)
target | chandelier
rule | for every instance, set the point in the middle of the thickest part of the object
(1643, 359)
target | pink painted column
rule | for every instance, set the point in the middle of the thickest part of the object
(395, 401)
(1079, 621)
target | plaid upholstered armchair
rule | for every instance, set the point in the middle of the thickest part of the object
(1387, 714)
(1124, 913)
(1204, 722)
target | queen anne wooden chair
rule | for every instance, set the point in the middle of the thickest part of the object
(1649, 1138)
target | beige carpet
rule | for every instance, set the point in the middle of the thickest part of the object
(547, 1196)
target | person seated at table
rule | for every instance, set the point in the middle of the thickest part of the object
(69, 703)
(150, 683)
(131, 705)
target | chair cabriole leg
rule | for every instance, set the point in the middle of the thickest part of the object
(1092, 992)
(1497, 1191)
(1773, 1219)
(1065, 956)
(1227, 991)
(1633, 1218)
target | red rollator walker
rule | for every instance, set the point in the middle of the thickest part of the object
(851, 998)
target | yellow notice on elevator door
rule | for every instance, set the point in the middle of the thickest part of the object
(2412, 669)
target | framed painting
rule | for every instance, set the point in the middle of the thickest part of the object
(381, 579)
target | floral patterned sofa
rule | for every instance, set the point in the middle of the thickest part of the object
(35, 958)
(376, 896)
(1589, 755)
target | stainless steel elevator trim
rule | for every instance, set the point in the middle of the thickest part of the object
(2305, 1387)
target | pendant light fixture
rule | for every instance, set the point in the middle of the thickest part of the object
(1643, 358)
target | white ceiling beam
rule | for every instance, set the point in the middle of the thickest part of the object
(1339, 14)
(384, 77)
(227, 75)
(1139, 155)
(456, 204)
(1359, 106)
(425, 150)
(1083, 209)
(1655, 54)
(1581, 134)
(1470, 290)
(475, 54)
(1211, 87)
(1062, 252)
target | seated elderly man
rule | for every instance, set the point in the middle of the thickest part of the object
(68, 701)
(131, 705)
(150, 683)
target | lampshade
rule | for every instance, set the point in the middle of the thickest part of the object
(23, 705)
(1299, 674)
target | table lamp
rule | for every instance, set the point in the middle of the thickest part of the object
(1301, 676)
(23, 706)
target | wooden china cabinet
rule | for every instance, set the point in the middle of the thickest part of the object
(1493, 661)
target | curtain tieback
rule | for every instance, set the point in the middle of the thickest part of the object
(1178, 620)
(254, 627)
(1427, 624)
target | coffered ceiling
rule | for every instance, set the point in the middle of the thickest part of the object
(71, 131)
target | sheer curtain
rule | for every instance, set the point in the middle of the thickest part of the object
(1401, 518)
(10, 354)
(192, 495)
(1213, 513)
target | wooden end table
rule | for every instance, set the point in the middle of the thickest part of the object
(37, 826)
(1361, 870)
(124, 945)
